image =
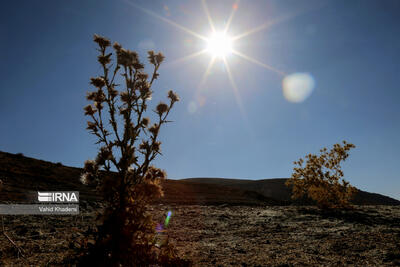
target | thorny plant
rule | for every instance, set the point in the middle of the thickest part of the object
(321, 179)
(129, 145)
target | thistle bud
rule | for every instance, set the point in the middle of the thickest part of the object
(154, 173)
(142, 76)
(144, 88)
(89, 110)
(157, 146)
(103, 155)
(154, 129)
(144, 145)
(145, 122)
(160, 58)
(100, 96)
(104, 59)
(138, 66)
(173, 96)
(151, 57)
(97, 82)
(90, 167)
(101, 41)
(84, 179)
(161, 108)
(117, 46)
(112, 92)
(124, 96)
(91, 126)
(91, 95)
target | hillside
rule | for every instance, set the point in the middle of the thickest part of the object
(23, 176)
(276, 189)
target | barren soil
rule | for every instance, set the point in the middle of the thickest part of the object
(230, 236)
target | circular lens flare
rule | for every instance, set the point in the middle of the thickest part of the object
(219, 44)
(298, 87)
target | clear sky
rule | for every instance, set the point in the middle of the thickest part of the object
(244, 127)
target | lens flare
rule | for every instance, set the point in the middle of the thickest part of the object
(298, 87)
(169, 214)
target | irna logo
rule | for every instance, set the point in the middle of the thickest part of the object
(60, 197)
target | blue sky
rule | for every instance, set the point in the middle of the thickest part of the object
(349, 48)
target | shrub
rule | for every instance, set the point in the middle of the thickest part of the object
(321, 178)
(126, 236)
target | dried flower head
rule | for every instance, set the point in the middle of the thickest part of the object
(144, 145)
(138, 66)
(90, 167)
(101, 41)
(151, 57)
(162, 108)
(100, 96)
(84, 179)
(154, 128)
(91, 95)
(125, 96)
(117, 46)
(103, 155)
(173, 96)
(160, 58)
(97, 82)
(89, 110)
(154, 173)
(104, 60)
(127, 57)
(142, 76)
(145, 122)
(92, 126)
(112, 92)
(157, 146)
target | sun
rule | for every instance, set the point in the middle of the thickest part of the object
(219, 45)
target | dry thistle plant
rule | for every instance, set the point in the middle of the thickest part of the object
(126, 236)
(321, 179)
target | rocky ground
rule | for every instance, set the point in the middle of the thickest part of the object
(229, 236)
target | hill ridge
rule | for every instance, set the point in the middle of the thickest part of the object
(23, 176)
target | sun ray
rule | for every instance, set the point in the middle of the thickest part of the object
(258, 62)
(203, 79)
(235, 90)
(182, 59)
(261, 27)
(151, 13)
(231, 16)
(278, 20)
(210, 21)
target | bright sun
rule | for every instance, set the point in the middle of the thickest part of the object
(219, 44)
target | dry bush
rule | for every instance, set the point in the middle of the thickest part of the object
(129, 143)
(321, 179)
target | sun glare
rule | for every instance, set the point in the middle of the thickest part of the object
(219, 45)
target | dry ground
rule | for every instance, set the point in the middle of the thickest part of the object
(231, 236)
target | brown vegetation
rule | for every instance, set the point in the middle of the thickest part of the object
(321, 178)
(127, 233)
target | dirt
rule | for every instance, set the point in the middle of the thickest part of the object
(229, 235)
